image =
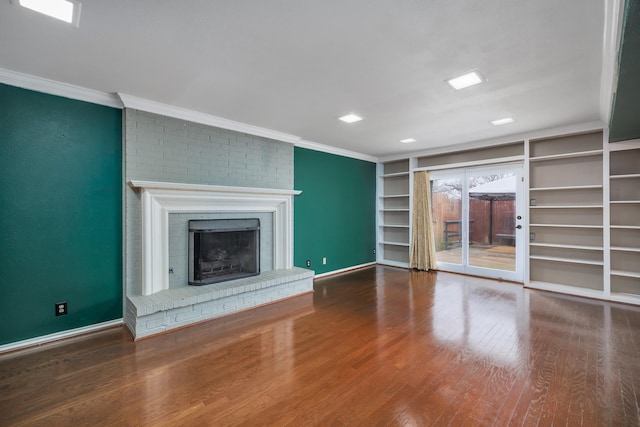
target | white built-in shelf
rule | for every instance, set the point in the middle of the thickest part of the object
(563, 246)
(393, 196)
(623, 273)
(395, 210)
(392, 175)
(396, 244)
(394, 226)
(625, 202)
(566, 260)
(625, 227)
(568, 187)
(566, 226)
(567, 155)
(566, 207)
(624, 249)
(625, 176)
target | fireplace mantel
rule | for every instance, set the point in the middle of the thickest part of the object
(159, 185)
(159, 199)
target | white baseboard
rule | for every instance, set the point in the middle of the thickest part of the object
(58, 336)
(344, 270)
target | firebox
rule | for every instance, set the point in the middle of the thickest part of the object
(223, 249)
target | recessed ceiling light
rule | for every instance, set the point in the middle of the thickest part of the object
(466, 80)
(505, 121)
(64, 10)
(350, 118)
(407, 141)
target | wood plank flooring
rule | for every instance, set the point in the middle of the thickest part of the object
(379, 346)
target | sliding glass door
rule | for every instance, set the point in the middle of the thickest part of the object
(477, 221)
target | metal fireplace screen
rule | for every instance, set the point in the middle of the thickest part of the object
(223, 249)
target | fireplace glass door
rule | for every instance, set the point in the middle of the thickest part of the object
(225, 249)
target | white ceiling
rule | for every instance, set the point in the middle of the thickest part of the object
(296, 65)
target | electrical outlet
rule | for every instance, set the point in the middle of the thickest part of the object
(324, 261)
(61, 308)
(308, 263)
(374, 251)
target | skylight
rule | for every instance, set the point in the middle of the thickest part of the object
(470, 79)
(64, 10)
(350, 118)
(505, 121)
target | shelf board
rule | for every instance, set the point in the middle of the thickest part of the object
(625, 297)
(625, 202)
(625, 227)
(394, 226)
(563, 246)
(623, 273)
(624, 249)
(395, 210)
(625, 176)
(568, 187)
(393, 196)
(393, 175)
(566, 155)
(566, 226)
(395, 244)
(565, 260)
(394, 263)
(566, 207)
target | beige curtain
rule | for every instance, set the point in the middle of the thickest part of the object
(423, 246)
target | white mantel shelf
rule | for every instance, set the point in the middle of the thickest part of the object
(159, 185)
(159, 199)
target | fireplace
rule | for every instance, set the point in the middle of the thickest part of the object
(223, 249)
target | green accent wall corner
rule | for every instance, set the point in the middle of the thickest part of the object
(334, 217)
(60, 213)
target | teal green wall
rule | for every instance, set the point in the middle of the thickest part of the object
(625, 121)
(334, 217)
(60, 213)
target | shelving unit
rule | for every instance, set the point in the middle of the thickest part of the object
(624, 204)
(566, 249)
(394, 225)
(583, 217)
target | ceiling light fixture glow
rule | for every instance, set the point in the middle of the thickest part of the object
(505, 121)
(407, 141)
(64, 10)
(470, 79)
(350, 118)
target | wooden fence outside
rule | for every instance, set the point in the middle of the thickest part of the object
(489, 219)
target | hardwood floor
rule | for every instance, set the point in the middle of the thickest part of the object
(379, 346)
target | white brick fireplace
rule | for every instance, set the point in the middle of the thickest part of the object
(160, 308)
(177, 170)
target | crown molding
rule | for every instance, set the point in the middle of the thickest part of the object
(334, 150)
(122, 100)
(504, 140)
(130, 101)
(53, 87)
(136, 103)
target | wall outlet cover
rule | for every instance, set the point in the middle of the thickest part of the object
(61, 308)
